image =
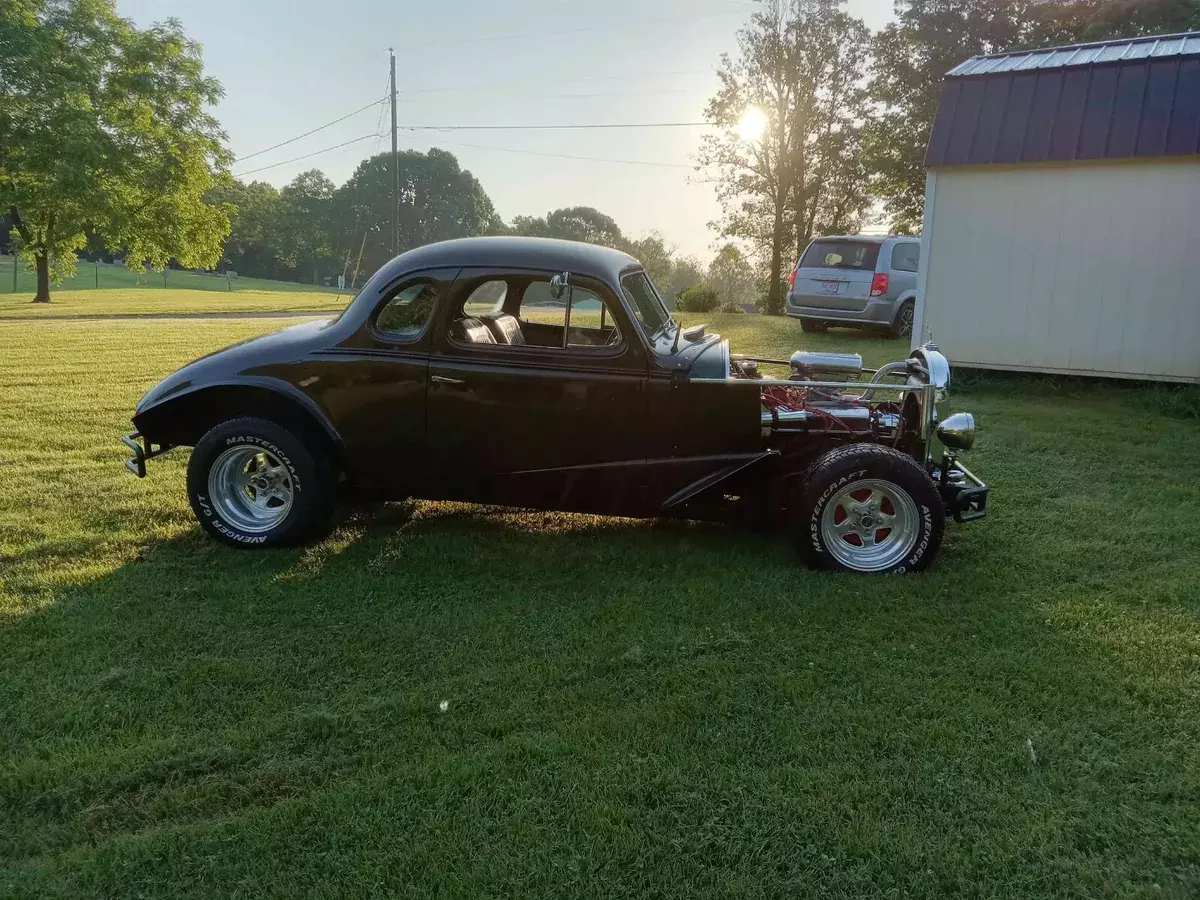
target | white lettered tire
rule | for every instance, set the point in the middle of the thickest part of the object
(254, 483)
(867, 508)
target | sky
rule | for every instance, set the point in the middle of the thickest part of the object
(288, 66)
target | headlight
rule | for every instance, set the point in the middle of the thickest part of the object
(937, 368)
(957, 431)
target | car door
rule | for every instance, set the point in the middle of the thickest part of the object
(374, 384)
(534, 420)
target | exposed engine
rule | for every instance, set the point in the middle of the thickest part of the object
(825, 393)
(812, 365)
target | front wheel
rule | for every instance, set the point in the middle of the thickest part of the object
(253, 483)
(867, 508)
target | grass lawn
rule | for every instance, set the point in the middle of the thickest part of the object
(110, 276)
(631, 708)
(81, 304)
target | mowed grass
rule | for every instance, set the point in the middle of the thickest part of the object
(117, 302)
(109, 276)
(630, 708)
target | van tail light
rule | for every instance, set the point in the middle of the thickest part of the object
(879, 284)
(792, 277)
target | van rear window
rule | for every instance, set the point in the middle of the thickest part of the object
(840, 255)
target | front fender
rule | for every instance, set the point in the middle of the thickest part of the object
(183, 416)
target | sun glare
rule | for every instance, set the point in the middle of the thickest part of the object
(753, 124)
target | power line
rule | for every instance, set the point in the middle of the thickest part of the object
(359, 214)
(376, 134)
(637, 93)
(307, 133)
(502, 85)
(628, 162)
(557, 127)
(305, 156)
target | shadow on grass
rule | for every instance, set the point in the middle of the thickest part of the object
(663, 707)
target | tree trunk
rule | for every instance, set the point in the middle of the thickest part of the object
(774, 291)
(43, 277)
(800, 193)
(316, 277)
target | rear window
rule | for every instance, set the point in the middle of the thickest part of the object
(840, 255)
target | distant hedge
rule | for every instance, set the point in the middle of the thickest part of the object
(699, 298)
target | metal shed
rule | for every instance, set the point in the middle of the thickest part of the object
(1062, 211)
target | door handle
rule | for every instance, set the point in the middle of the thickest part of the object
(442, 379)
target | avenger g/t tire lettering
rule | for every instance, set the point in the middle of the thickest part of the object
(254, 483)
(867, 508)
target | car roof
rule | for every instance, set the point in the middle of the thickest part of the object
(548, 254)
(867, 238)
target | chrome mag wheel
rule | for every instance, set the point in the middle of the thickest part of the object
(906, 321)
(251, 489)
(870, 525)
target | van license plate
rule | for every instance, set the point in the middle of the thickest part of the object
(830, 287)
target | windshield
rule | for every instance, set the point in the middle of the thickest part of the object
(647, 305)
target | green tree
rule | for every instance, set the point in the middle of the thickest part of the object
(438, 201)
(1093, 20)
(913, 54)
(104, 127)
(686, 272)
(831, 50)
(731, 276)
(589, 225)
(655, 256)
(306, 222)
(255, 238)
(843, 191)
(698, 298)
(575, 223)
(799, 64)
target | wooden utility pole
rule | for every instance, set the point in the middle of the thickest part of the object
(395, 166)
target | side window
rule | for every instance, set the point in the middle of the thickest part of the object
(521, 311)
(590, 322)
(405, 315)
(537, 305)
(486, 300)
(906, 257)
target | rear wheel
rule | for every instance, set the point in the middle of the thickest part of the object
(867, 508)
(253, 483)
(814, 326)
(903, 326)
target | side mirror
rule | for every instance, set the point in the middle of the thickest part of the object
(558, 285)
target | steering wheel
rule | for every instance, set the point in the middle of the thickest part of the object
(614, 339)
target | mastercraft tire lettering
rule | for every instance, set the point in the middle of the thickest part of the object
(867, 508)
(255, 483)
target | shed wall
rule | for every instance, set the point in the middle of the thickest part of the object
(1090, 269)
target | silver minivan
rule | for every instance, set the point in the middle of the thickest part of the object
(857, 280)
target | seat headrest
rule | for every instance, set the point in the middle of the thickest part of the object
(506, 328)
(471, 331)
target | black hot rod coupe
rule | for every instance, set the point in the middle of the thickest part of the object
(551, 375)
